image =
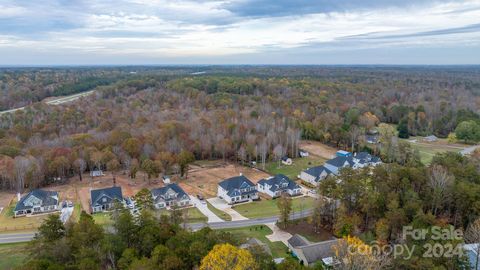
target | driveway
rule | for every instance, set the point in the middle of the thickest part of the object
(225, 207)
(66, 213)
(278, 234)
(205, 210)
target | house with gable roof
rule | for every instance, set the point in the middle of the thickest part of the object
(104, 199)
(278, 184)
(37, 201)
(170, 195)
(237, 189)
(315, 175)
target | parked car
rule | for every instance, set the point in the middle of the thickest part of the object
(70, 204)
(200, 197)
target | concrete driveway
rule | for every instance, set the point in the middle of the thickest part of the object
(225, 207)
(66, 213)
(205, 210)
(278, 234)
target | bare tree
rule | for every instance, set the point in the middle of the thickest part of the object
(439, 181)
(472, 236)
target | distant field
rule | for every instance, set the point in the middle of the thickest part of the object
(279, 250)
(428, 150)
(12, 255)
(299, 164)
(268, 208)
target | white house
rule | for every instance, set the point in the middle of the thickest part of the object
(335, 164)
(303, 153)
(287, 161)
(96, 173)
(237, 189)
(278, 184)
(37, 201)
(364, 159)
(170, 195)
(314, 175)
(166, 179)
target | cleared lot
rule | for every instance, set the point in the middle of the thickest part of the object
(318, 149)
(428, 150)
(204, 180)
(299, 164)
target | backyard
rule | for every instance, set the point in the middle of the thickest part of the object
(279, 250)
(12, 255)
(299, 164)
(268, 208)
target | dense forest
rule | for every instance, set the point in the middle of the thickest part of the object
(156, 119)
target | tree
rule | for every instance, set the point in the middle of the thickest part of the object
(51, 229)
(440, 182)
(469, 131)
(226, 256)
(143, 199)
(352, 253)
(80, 165)
(472, 235)
(185, 158)
(150, 168)
(284, 204)
(403, 129)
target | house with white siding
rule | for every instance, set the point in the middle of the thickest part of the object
(315, 175)
(37, 201)
(170, 195)
(237, 189)
(276, 185)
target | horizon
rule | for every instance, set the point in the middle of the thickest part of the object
(239, 32)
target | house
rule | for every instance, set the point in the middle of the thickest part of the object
(472, 251)
(166, 179)
(287, 161)
(364, 159)
(373, 139)
(96, 173)
(431, 138)
(303, 153)
(104, 199)
(314, 175)
(335, 164)
(237, 189)
(253, 243)
(37, 201)
(342, 153)
(278, 184)
(310, 253)
(170, 195)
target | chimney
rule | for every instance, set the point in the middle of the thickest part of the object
(18, 196)
(241, 174)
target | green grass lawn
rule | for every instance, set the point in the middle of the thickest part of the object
(194, 215)
(219, 212)
(12, 255)
(299, 164)
(279, 250)
(103, 219)
(268, 208)
(429, 150)
(76, 212)
(9, 223)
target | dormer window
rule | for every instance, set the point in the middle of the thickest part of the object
(104, 199)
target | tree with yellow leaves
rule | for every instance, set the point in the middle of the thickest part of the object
(226, 256)
(352, 253)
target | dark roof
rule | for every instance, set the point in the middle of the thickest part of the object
(339, 161)
(112, 193)
(318, 251)
(160, 192)
(279, 182)
(317, 171)
(285, 158)
(298, 241)
(236, 182)
(47, 197)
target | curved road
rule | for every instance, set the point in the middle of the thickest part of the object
(25, 237)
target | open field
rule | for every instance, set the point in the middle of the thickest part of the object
(428, 149)
(9, 223)
(219, 212)
(12, 255)
(299, 164)
(279, 250)
(318, 149)
(268, 208)
(305, 229)
(204, 180)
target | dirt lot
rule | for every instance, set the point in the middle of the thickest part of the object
(204, 180)
(318, 149)
(305, 229)
(5, 198)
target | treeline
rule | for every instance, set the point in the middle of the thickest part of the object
(377, 205)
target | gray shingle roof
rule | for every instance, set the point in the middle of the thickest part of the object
(339, 161)
(317, 171)
(318, 251)
(48, 198)
(298, 241)
(236, 182)
(113, 193)
(279, 182)
(159, 193)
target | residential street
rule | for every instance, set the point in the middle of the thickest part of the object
(25, 237)
(225, 207)
(204, 209)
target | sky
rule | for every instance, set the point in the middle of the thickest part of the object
(161, 32)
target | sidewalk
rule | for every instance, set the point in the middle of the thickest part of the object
(225, 207)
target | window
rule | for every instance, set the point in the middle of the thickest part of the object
(104, 199)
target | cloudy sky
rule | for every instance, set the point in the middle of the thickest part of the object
(104, 32)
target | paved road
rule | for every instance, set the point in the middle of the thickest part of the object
(202, 206)
(25, 237)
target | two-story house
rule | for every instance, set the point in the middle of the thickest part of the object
(237, 189)
(104, 199)
(37, 201)
(170, 195)
(278, 184)
(314, 175)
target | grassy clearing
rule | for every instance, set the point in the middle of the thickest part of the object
(268, 208)
(429, 150)
(76, 212)
(194, 215)
(12, 255)
(9, 223)
(279, 250)
(299, 164)
(103, 219)
(219, 212)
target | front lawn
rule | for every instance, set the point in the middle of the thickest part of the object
(219, 212)
(194, 215)
(299, 164)
(9, 223)
(279, 250)
(12, 255)
(268, 208)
